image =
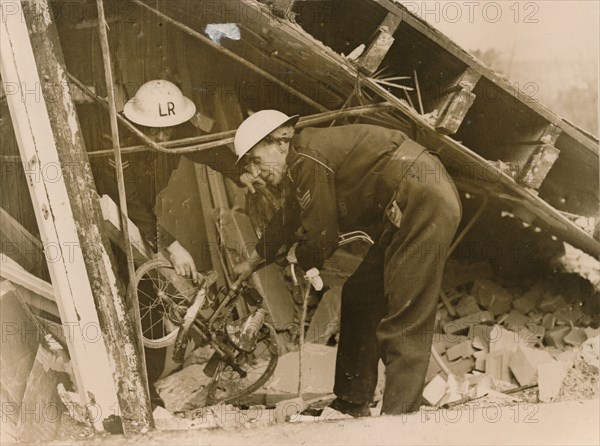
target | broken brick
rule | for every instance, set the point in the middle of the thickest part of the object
(461, 325)
(591, 332)
(492, 296)
(523, 364)
(530, 299)
(466, 306)
(463, 350)
(514, 321)
(480, 336)
(552, 303)
(496, 365)
(568, 316)
(555, 337)
(575, 337)
(502, 339)
(548, 321)
(435, 390)
(480, 357)
(462, 366)
(550, 378)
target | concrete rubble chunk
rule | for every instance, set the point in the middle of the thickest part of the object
(550, 378)
(480, 359)
(591, 332)
(590, 352)
(466, 306)
(556, 336)
(462, 325)
(530, 299)
(492, 296)
(462, 366)
(568, 316)
(318, 371)
(181, 387)
(524, 362)
(575, 337)
(435, 390)
(496, 365)
(515, 321)
(503, 339)
(463, 350)
(480, 336)
(552, 303)
(548, 321)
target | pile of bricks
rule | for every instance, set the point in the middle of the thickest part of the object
(492, 337)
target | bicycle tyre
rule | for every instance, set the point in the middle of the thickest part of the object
(171, 330)
(218, 388)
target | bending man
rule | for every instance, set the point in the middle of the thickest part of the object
(375, 179)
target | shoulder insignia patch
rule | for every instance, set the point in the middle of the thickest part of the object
(303, 198)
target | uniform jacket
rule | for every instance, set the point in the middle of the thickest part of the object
(333, 176)
(146, 174)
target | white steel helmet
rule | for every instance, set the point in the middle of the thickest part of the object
(257, 126)
(159, 103)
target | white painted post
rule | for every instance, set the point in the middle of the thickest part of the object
(58, 228)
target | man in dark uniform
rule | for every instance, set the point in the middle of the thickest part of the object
(376, 179)
(162, 112)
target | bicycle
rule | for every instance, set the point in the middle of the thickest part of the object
(245, 346)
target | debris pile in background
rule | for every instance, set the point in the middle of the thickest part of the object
(505, 344)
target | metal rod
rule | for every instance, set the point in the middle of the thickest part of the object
(108, 74)
(223, 138)
(468, 226)
(231, 54)
(419, 93)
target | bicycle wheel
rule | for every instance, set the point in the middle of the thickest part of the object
(163, 298)
(229, 385)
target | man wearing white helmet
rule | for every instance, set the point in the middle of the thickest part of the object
(160, 110)
(376, 179)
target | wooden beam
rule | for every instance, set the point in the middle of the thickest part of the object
(538, 165)
(457, 102)
(29, 251)
(380, 44)
(108, 374)
(42, 292)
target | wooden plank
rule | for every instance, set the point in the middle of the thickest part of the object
(380, 44)
(590, 143)
(538, 165)
(84, 283)
(29, 250)
(457, 103)
(40, 293)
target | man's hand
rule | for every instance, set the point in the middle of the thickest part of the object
(251, 176)
(243, 270)
(182, 261)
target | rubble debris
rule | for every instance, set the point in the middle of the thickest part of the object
(492, 296)
(524, 362)
(435, 390)
(550, 379)
(527, 340)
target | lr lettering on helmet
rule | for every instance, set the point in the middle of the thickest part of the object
(170, 109)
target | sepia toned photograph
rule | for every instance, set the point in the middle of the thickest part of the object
(299, 222)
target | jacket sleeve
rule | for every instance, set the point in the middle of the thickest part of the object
(316, 197)
(221, 159)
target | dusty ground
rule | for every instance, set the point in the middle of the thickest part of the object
(574, 422)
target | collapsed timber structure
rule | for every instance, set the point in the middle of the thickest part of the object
(364, 61)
